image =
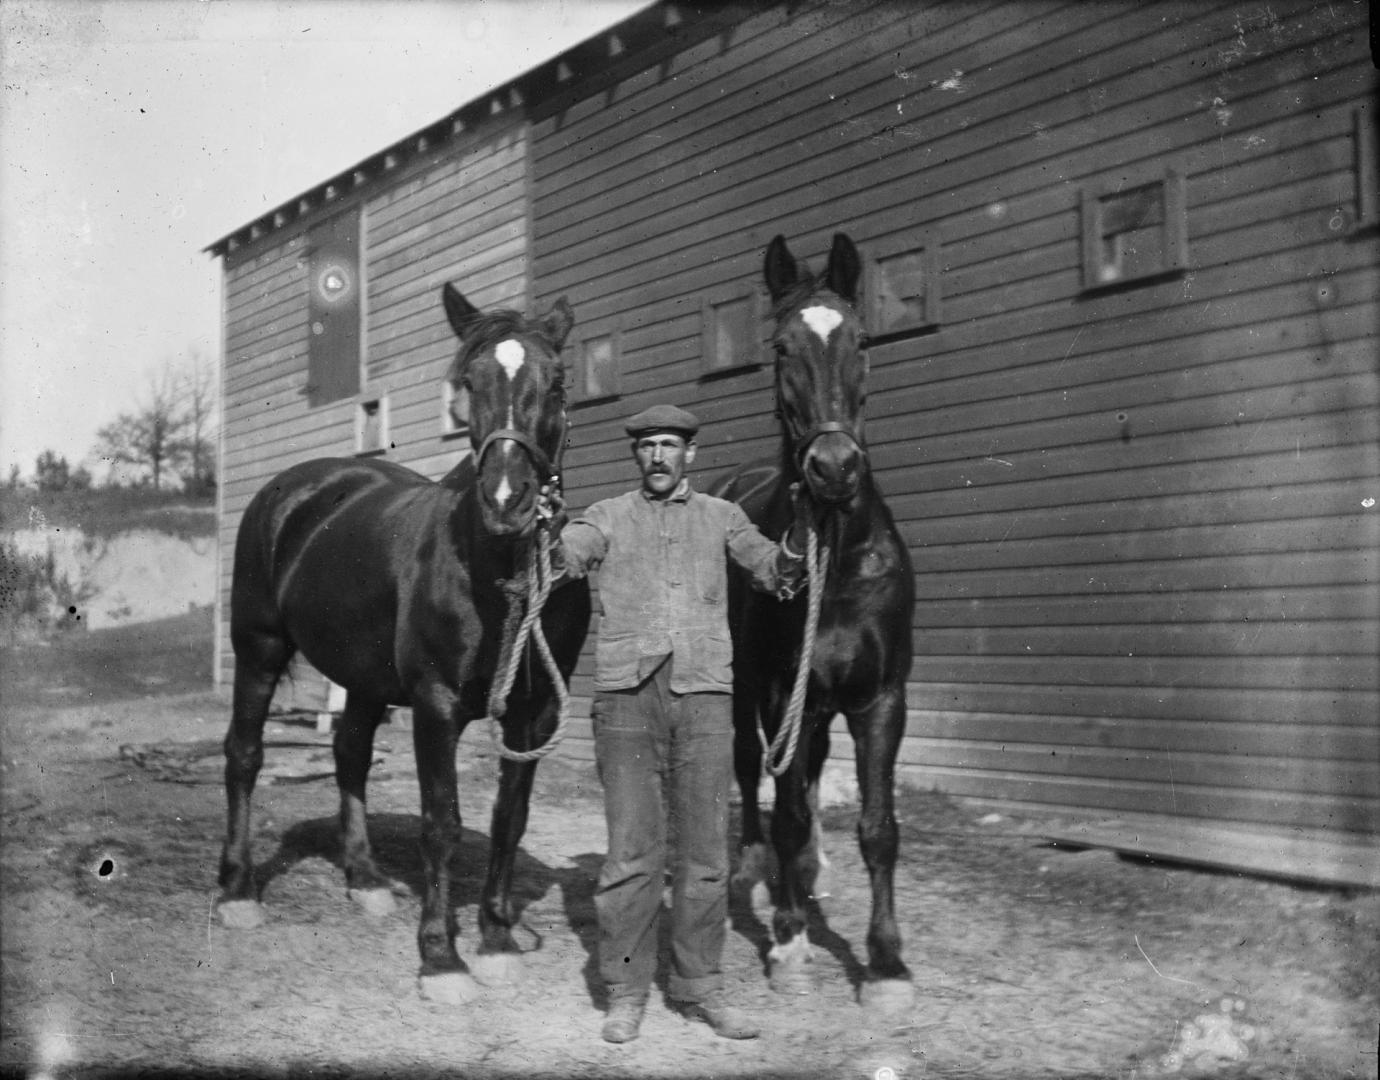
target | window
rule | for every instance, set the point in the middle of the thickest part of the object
(597, 358)
(902, 290)
(1367, 169)
(371, 427)
(1134, 234)
(455, 410)
(731, 330)
(334, 335)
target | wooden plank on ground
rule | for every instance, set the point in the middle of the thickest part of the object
(1295, 855)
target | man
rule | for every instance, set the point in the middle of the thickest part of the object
(663, 722)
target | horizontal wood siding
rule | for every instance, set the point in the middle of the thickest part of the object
(458, 214)
(1147, 571)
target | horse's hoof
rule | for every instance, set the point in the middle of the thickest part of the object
(887, 995)
(794, 980)
(240, 914)
(497, 968)
(449, 988)
(374, 902)
(791, 966)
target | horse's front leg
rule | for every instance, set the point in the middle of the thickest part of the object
(435, 732)
(754, 868)
(791, 960)
(354, 754)
(877, 733)
(499, 959)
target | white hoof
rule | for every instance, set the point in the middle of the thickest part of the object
(791, 967)
(887, 995)
(496, 969)
(240, 914)
(452, 988)
(374, 902)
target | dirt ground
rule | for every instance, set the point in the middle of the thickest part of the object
(1029, 961)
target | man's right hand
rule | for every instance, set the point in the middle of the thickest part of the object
(551, 508)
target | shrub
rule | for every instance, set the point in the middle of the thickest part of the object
(34, 597)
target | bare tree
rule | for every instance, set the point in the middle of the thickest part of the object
(194, 450)
(171, 426)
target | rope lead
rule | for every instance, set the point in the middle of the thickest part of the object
(515, 645)
(788, 734)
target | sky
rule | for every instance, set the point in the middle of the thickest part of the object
(135, 133)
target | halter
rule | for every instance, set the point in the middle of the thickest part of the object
(540, 461)
(805, 441)
(545, 467)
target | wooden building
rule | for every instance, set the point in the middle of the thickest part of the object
(1123, 270)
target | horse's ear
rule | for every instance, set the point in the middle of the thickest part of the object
(459, 311)
(845, 267)
(779, 268)
(558, 322)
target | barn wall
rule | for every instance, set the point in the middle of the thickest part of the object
(458, 213)
(1147, 576)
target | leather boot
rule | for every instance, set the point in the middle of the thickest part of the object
(727, 1021)
(624, 1020)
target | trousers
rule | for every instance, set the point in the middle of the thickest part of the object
(665, 761)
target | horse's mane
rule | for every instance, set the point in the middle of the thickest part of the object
(801, 291)
(491, 327)
(798, 294)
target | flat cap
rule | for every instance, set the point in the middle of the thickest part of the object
(662, 418)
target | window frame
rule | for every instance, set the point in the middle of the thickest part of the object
(755, 355)
(582, 394)
(332, 379)
(375, 404)
(1367, 166)
(1098, 274)
(452, 428)
(927, 246)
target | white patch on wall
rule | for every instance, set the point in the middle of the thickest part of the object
(510, 355)
(954, 82)
(822, 320)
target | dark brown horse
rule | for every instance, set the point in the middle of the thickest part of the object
(398, 589)
(862, 641)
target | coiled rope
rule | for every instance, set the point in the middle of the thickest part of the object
(516, 634)
(788, 734)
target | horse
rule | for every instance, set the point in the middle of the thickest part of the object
(400, 589)
(861, 626)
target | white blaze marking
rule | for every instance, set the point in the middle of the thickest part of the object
(510, 355)
(504, 491)
(822, 321)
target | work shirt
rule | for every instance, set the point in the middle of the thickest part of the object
(663, 583)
